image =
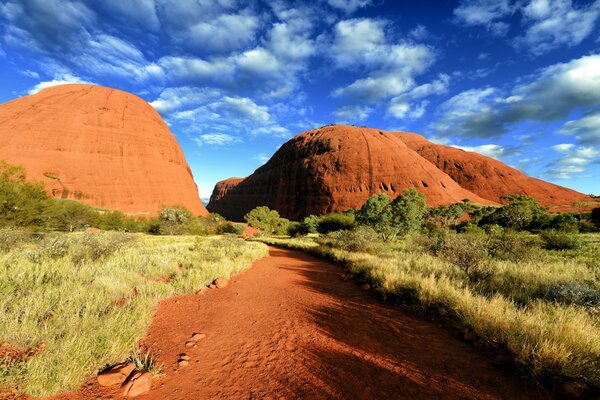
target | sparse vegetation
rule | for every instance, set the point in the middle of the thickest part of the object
(535, 295)
(74, 303)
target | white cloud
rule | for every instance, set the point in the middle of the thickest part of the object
(400, 106)
(224, 33)
(491, 150)
(585, 129)
(552, 94)
(563, 147)
(419, 33)
(242, 108)
(485, 13)
(30, 74)
(172, 99)
(58, 80)
(143, 12)
(361, 44)
(350, 114)
(574, 161)
(216, 139)
(271, 130)
(261, 157)
(555, 23)
(349, 6)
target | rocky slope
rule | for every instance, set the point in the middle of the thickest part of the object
(332, 169)
(101, 146)
(490, 178)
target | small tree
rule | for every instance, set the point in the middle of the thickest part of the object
(265, 219)
(520, 211)
(22, 203)
(409, 211)
(72, 216)
(173, 220)
(389, 219)
(377, 214)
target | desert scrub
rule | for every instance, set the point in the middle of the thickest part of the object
(542, 309)
(87, 299)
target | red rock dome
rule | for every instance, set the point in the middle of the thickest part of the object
(332, 169)
(100, 146)
(490, 178)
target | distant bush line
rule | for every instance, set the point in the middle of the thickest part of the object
(27, 205)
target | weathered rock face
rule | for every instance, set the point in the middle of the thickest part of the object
(101, 146)
(490, 178)
(332, 169)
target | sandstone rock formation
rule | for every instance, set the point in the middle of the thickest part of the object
(338, 167)
(490, 178)
(100, 146)
(332, 169)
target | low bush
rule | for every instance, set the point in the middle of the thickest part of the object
(229, 228)
(362, 240)
(335, 222)
(555, 240)
(574, 293)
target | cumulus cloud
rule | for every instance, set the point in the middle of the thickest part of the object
(585, 129)
(349, 114)
(186, 97)
(391, 68)
(58, 80)
(555, 23)
(216, 139)
(574, 160)
(487, 13)
(491, 150)
(552, 94)
(401, 106)
(241, 109)
(547, 24)
(226, 32)
(349, 6)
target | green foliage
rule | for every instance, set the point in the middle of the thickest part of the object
(555, 240)
(520, 211)
(73, 216)
(229, 228)
(574, 293)
(362, 239)
(446, 215)
(22, 204)
(564, 222)
(267, 220)
(403, 215)
(335, 222)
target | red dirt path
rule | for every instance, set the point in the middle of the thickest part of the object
(290, 328)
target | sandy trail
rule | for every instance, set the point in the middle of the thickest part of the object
(290, 328)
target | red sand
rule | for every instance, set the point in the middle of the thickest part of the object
(290, 328)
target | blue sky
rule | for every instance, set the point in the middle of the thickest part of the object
(515, 80)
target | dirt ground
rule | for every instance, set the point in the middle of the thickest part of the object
(290, 328)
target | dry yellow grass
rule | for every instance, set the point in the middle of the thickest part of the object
(88, 298)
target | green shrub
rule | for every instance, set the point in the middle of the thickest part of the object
(574, 293)
(470, 253)
(362, 240)
(555, 240)
(393, 218)
(11, 238)
(229, 228)
(335, 222)
(506, 244)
